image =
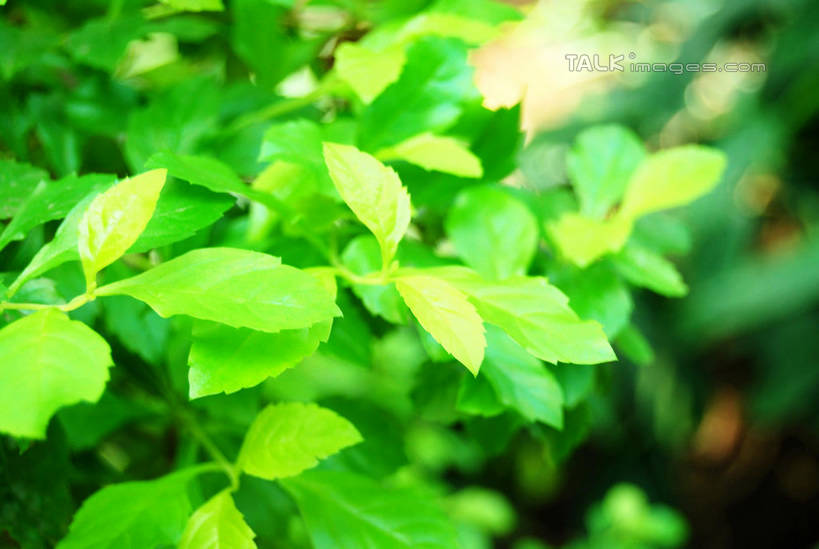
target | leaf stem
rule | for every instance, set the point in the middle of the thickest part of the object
(285, 106)
(75, 303)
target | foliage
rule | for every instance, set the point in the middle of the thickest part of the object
(314, 303)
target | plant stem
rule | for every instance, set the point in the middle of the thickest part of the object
(283, 107)
(210, 447)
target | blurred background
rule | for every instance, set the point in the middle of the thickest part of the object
(716, 414)
(723, 423)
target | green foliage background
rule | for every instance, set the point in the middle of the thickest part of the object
(475, 335)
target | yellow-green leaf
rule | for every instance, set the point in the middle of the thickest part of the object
(583, 240)
(115, 219)
(447, 315)
(435, 153)
(240, 288)
(217, 524)
(534, 313)
(368, 71)
(373, 192)
(672, 178)
(286, 439)
(48, 361)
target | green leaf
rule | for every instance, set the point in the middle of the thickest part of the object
(597, 293)
(225, 359)
(476, 396)
(369, 71)
(173, 122)
(671, 178)
(600, 164)
(470, 30)
(87, 424)
(195, 5)
(642, 267)
(426, 98)
(262, 40)
(211, 174)
(286, 439)
(240, 288)
(181, 211)
(101, 42)
(362, 257)
(435, 153)
(583, 240)
(522, 382)
(493, 232)
(373, 192)
(346, 511)
(133, 515)
(535, 314)
(446, 314)
(115, 219)
(51, 200)
(138, 328)
(576, 381)
(48, 361)
(634, 345)
(62, 248)
(217, 524)
(299, 141)
(17, 182)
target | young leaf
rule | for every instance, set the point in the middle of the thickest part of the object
(446, 314)
(435, 153)
(62, 248)
(373, 192)
(672, 177)
(48, 361)
(240, 288)
(600, 165)
(51, 200)
(369, 71)
(115, 219)
(642, 267)
(494, 233)
(217, 524)
(133, 515)
(582, 240)
(286, 439)
(179, 213)
(535, 314)
(521, 381)
(346, 511)
(225, 359)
